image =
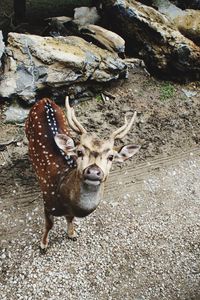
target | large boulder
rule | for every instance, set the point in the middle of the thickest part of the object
(187, 21)
(155, 38)
(34, 63)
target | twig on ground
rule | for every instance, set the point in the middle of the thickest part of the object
(103, 98)
(109, 95)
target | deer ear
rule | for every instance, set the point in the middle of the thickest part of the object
(65, 143)
(126, 152)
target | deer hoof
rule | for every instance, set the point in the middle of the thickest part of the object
(43, 250)
(72, 237)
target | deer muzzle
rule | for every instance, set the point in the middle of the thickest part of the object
(93, 175)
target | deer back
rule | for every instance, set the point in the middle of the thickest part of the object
(44, 121)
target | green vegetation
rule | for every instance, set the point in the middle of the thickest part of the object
(167, 91)
(98, 98)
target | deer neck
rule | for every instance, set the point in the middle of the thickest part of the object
(90, 196)
(82, 198)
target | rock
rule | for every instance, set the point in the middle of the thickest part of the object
(168, 8)
(16, 114)
(189, 25)
(34, 63)
(60, 20)
(2, 46)
(189, 93)
(184, 4)
(187, 21)
(70, 26)
(103, 38)
(86, 15)
(58, 26)
(150, 34)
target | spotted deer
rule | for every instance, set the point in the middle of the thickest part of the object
(71, 175)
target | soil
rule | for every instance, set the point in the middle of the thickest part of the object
(167, 124)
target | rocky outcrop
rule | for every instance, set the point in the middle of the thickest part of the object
(34, 63)
(155, 38)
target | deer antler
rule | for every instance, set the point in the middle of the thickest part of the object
(72, 120)
(123, 130)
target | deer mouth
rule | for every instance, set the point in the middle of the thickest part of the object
(92, 182)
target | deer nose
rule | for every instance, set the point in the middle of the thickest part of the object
(93, 173)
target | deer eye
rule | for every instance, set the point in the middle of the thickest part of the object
(80, 153)
(110, 157)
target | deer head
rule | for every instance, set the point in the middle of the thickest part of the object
(94, 156)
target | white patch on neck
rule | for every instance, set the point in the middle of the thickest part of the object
(90, 197)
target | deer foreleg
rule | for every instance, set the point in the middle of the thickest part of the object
(48, 226)
(71, 231)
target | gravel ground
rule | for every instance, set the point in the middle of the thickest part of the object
(143, 242)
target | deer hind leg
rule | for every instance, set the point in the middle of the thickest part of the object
(48, 226)
(71, 231)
